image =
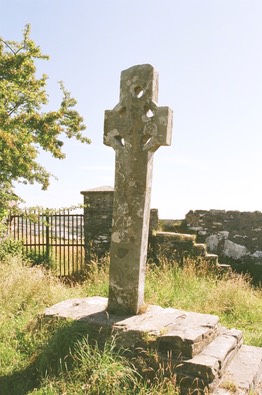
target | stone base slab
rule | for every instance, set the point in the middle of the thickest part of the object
(244, 373)
(183, 333)
(205, 356)
(209, 365)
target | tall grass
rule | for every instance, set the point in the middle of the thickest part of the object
(200, 289)
(39, 357)
(24, 292)
(23, 287)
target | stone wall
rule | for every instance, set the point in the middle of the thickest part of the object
(235, 236)
(98, 209)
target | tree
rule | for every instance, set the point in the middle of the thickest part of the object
(24, 127)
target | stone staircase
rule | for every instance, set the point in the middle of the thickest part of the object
(179, 246)
(205, 357)
(225, 366)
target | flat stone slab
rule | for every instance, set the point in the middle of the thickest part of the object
(183, 333)
(205, 355)
(212, 361)
(77, 308)
(244, 373)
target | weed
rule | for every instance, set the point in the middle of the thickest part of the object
(229, 385)
(104, 371)
(10, 247)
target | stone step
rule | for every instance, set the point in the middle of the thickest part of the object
(188, 335)
(204, 355)
(175, 332)
(244, 374)
(212, 259)
(173, 238)
(199, 372)
(200, 249)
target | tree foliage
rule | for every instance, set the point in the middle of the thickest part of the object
(25, 127)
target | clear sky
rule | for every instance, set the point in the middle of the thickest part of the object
(209, 57)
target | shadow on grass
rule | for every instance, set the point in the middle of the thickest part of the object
(58, 354)
(50, 360)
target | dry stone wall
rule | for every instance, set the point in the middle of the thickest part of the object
(234, 235)
(98, 210)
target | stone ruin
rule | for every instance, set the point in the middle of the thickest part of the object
(202, 354)
(235, 236)
(223, 239)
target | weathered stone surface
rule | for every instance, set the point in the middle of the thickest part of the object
(183, 333)
(189, 334)
(135, 129)
(210, 363)
(234, 235)
(187, 239)
(212, 259)
(224, 391)
(242, 228)
(98, 209)
(77, 308)
(98, 214)
(204, 355)
(203, 371)
(234, 250)
(178, 246)
(244, 373)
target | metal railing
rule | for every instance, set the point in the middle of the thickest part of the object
(53, 239)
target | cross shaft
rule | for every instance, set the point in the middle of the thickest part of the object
(135, 128)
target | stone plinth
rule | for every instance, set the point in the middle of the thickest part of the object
(169, 329)
(203, 355)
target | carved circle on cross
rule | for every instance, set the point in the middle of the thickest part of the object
(137, 91)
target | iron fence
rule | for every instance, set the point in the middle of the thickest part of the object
(56, 239)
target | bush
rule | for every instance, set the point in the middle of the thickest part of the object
(9, 246)
(40, 258)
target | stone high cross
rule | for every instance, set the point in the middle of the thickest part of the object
(135, 129)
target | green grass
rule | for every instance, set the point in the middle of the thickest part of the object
(231, 297)
(51, 358)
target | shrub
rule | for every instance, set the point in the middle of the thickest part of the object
(9, 246)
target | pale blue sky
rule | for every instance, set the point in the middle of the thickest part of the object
(209, 57)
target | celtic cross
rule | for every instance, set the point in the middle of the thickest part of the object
(135, 128)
